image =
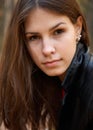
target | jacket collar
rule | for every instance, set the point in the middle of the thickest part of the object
(72, 71)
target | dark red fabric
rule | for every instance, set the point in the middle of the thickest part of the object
(63, 93)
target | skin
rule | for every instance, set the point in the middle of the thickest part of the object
(51, 40)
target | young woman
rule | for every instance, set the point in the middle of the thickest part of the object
(46, 70)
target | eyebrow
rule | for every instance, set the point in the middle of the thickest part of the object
(49, 29)
(56, 26)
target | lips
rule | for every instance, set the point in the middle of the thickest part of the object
(52, 62)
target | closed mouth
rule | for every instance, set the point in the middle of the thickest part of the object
(52, 63)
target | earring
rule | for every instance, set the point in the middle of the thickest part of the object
(78, 38)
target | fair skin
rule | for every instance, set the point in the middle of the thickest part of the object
(51, 41)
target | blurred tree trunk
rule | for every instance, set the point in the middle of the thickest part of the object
(8, 8)
(87, 7)
(89, 18)
(1, 21)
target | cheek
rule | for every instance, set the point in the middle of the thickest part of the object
(35, 55)
(67, 40)
(67, 48)
(71, 52)
(70, 34)
(70, 38)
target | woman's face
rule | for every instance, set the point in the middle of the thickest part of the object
(51, 41)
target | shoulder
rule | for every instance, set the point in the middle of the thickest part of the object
(86, 82)
(88, 66)
(89, 71)
(90, 83)
(88, 60)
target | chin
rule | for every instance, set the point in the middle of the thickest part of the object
(56, 73)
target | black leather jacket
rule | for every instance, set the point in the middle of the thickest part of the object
(77, 111)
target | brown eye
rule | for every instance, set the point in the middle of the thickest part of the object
(58, 32)
(32, 38)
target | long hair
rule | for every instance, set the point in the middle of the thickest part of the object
(27, 95)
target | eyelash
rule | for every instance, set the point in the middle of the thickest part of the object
(57, 32)
(32, 38)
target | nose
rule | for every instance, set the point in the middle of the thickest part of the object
(48, 47)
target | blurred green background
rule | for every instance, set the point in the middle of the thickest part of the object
(7, 6)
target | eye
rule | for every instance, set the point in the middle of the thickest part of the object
(32, 38)
(58, 31)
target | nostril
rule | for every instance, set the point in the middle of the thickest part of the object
(48, 46)
(48, 50)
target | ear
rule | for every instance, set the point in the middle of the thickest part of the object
(78, 25)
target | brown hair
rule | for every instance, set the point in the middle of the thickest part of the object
(24, 89)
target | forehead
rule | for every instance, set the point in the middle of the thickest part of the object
(42, 17)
